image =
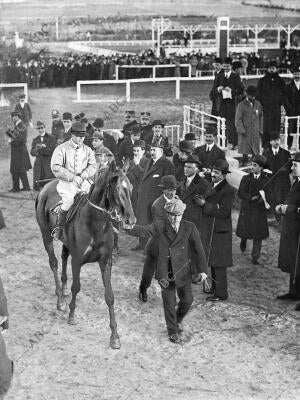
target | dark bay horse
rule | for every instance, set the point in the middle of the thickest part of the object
(88, 237)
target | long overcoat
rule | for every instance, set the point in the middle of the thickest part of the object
(252, 222)
(249, 126)
(135, 174)
(281, 184)
(41, 167)
(19, 161)
(216, 231)
(290, 231)
(193, 212)
(26, 114)
(149, 190)
(173, 250)
(6, 368)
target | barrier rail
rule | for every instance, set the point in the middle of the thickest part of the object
(154, 68)
(288, 130)
(194, 122)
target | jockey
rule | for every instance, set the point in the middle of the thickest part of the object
(73, 163)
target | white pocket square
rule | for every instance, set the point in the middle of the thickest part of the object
(156, 176)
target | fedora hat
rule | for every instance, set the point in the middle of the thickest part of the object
(139, 143)
(168, 182)
(135, 130)
(193, 159)
(275, 135)
(221, 165)
(158, 122)
(296, 157)
(40, 124)
(175, 207)
(98, 123)
(67, 116)
(189, 136)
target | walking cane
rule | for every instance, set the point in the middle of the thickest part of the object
(276, 173)
(206, 285)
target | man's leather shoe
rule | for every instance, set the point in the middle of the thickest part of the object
(297, 308)
(215, 298)
(14, 190)
(288, 296)
(143, 295)
(243, 245)
(255, 261)
(175, 338)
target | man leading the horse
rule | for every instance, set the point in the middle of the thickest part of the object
(73, 163)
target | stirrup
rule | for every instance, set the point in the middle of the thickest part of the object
(54, 233)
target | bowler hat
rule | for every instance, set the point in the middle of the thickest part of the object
(274, 136)
(221, 165)
(79, 116)
(97, 135)
(39, 124)
(186, 146)
(98, 123)
(158, 142)
(189, 136)
(158, 122)
(55, 113)
(139, 143)
(227, 60)
(218, 60)
(78, 129)
(175, 207)
(22, 96)
(237, 64)
(296, 157)
(259, 159)
(135, 130)
(193, 159)
(168, 182)
(251, 90)
(130, 112)
(211, 129)
(67, 116)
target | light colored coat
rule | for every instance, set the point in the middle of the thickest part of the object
(69, 160)
(249, 126)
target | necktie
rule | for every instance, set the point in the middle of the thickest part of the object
(207, 149)
(295, 182)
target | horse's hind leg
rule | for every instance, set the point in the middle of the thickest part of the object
(109, 298)
(64, 261)
(75, 288)
(54, 267)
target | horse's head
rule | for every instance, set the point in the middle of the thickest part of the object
(117, 194)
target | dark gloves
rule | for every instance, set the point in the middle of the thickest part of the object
(256, 199)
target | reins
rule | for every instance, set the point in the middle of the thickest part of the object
(116, 217)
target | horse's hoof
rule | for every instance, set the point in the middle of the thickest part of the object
(61, 305)
(72, 321)
(115, 342)
(65, 292)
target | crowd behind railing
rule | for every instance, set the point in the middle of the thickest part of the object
(67, 70)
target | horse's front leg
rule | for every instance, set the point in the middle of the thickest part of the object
(75, 289)
(64, 261)
(105, 266)
(54, 267)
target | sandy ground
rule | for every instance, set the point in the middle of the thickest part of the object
(245, 348)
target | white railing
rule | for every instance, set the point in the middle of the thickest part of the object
(194, 121)
(172, 132)
(3, 99)
(128, 83)
(287, 131)
(153, 67)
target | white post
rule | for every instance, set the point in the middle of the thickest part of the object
(117, 72)
(191, 38)
(298, 132)
(154, 72)
(78, 90)
(185, 111)
(256, 39)
(158, 41)
(190, 70)
(223, 128)
(127, 90)
(56, 28)
(153, 34)
(286, 129)
(177, 88)
(26, 92)
(288, 44)
(278, 37)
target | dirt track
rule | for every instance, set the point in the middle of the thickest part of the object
(245, 348)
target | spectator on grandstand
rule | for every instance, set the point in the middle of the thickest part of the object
(271, 95)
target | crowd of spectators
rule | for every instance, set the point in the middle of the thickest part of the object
(65, 71)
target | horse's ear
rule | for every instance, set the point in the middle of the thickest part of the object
(126, 166)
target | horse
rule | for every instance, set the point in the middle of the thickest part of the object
(88, 236)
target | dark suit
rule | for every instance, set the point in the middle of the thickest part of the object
(125, 151)
(20, 161)
(67, 135)
(227, 106)
(216, 234)
(208, 158)
(289, 239)
(173, 266)
(26, 114)
(292, 108)
(281, 184)
(252, 222)
(135, 174)
(41, 167)
(6, 368)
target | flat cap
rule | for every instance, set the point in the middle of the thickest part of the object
(175, 207)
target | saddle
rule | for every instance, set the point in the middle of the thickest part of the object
(79, 199)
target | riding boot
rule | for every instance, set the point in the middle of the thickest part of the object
(61, 220)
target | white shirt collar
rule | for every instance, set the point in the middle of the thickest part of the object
(256, 176)
(190, 179)
(216, 184)
(275, 151)
(209, 146)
